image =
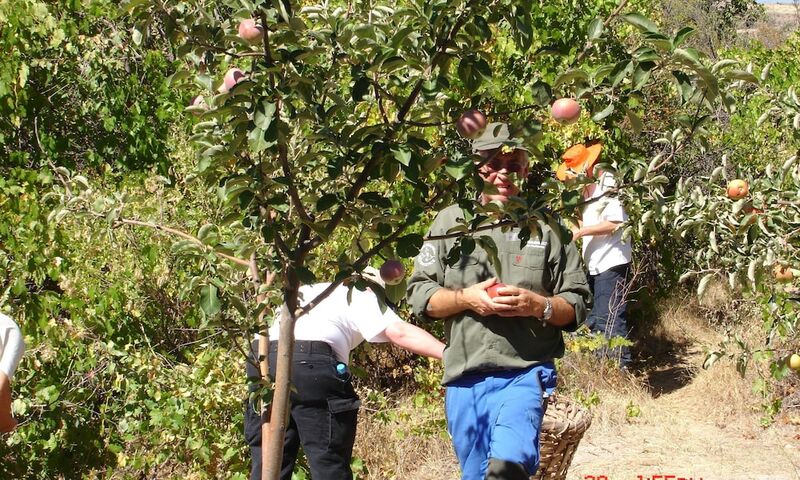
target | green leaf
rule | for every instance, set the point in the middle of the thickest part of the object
(641, 22)
(487, 243)
(326, 201)
(711, 359)
(703, 285)
(636, 122)
(360, 89)
(682, 35)
(396, 293)
(402, 155)
(599, 116)
(688, 56)
(264, 114)
(136, 36)
(209, 301)
(569, 76)
(596, 28)
(209, 234)
(408, 246)
(741, 75)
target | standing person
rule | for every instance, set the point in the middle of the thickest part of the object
(607, 257)
(498, 364)
(11, 349)
(324, 405)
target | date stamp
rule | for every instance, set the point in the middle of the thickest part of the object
(654, 476)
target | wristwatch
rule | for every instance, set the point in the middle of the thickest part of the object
(548, 309)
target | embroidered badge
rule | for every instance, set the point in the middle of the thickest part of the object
(427, 255)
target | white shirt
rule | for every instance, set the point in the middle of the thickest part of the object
(11, 346)
(341, 324)
(602, 252)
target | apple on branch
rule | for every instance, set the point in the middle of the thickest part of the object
(471, 124)
(738, 189)
(232, 77)
(565, 111)
(392, 272)
(249, 31)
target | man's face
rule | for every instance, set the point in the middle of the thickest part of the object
(498, 172)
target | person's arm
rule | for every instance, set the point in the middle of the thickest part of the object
(414, 339)
(605, 227)
(445, 302)
(7, 422)
(11, 348)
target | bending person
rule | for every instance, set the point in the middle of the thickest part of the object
(324, 405)
(11, 349)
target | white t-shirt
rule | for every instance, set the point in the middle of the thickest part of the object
(341, 324)
(601, 252)
(11, 346)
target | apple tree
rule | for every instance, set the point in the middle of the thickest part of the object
(325, 134)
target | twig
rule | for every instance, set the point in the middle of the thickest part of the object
(192, 238)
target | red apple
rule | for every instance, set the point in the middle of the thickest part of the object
(492, 291)
(737, 189)
(250, 31)
(471, 124)
(200, 103)
(782, 273)
(232, 77)
(565, 110)
(392, 272)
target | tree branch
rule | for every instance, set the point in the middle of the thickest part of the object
(179, 233)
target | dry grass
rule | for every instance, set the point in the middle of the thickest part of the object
(670, 417)
(405, 441)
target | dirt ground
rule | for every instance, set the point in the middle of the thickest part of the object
(691, 423)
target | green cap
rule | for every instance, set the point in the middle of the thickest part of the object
(496, 135)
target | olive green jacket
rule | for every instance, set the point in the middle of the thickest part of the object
(474, 343)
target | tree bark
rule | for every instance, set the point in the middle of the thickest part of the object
(272, 448)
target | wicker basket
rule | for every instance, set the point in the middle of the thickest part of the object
(563, 427)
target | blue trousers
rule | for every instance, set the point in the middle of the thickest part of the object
(609, 312)
(498, 416)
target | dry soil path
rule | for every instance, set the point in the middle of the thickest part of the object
(693, 426)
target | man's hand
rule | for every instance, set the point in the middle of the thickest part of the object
(519, 302)
(476, 298)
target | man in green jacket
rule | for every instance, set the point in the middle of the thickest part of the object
(498, 363)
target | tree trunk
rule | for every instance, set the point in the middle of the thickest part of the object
(272, 443)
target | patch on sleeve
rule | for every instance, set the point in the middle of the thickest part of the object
(427, 255)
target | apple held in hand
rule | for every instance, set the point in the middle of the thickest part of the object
(493, 290)
(250, 31)
(471, 124)
(565, 111)
(737, 189)
(392, 272)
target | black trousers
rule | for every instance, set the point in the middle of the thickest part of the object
(323, 417)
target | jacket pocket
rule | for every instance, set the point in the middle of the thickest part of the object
(526, 270)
